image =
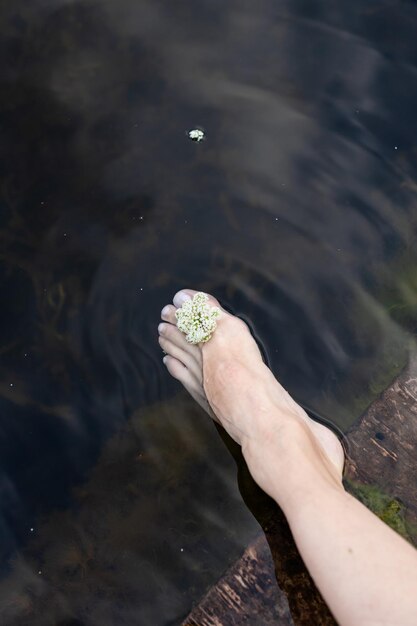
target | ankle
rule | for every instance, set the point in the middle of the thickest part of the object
(289, 464)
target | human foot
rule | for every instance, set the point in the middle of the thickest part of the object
(228, 378)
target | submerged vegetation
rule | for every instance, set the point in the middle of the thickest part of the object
(398, 294)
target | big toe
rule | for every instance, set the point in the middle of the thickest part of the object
(187, 294)
(231, 331)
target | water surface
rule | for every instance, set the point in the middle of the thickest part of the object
(298, 211)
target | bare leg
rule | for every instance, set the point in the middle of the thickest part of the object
(364, 570)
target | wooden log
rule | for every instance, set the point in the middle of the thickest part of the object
(235, 596)
(382, 454)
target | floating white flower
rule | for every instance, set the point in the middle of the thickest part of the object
(196, 319)
(197, 134)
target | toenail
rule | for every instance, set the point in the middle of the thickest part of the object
(182, 297)
(164, 360)
(161, 328)
(165, 311)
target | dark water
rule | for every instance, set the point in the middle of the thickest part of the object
(299, 211)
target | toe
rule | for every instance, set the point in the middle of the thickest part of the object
(182, 296)
(184, 376)
(232, 325)
(179, 371)
(186, 294)
(173, 334)
(168, 314)
(183, 356)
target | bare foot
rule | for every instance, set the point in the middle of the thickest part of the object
(228, 378)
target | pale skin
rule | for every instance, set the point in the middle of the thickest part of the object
(365, 571)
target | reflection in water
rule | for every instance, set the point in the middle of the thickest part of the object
(297, 210)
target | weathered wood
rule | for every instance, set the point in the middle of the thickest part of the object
(383, 447)
(233, 596)
(269, 584)
(380, 469)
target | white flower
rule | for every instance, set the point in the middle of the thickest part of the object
(196, 319)
(197, 134)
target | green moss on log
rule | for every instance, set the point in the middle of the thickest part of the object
(388, 509)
